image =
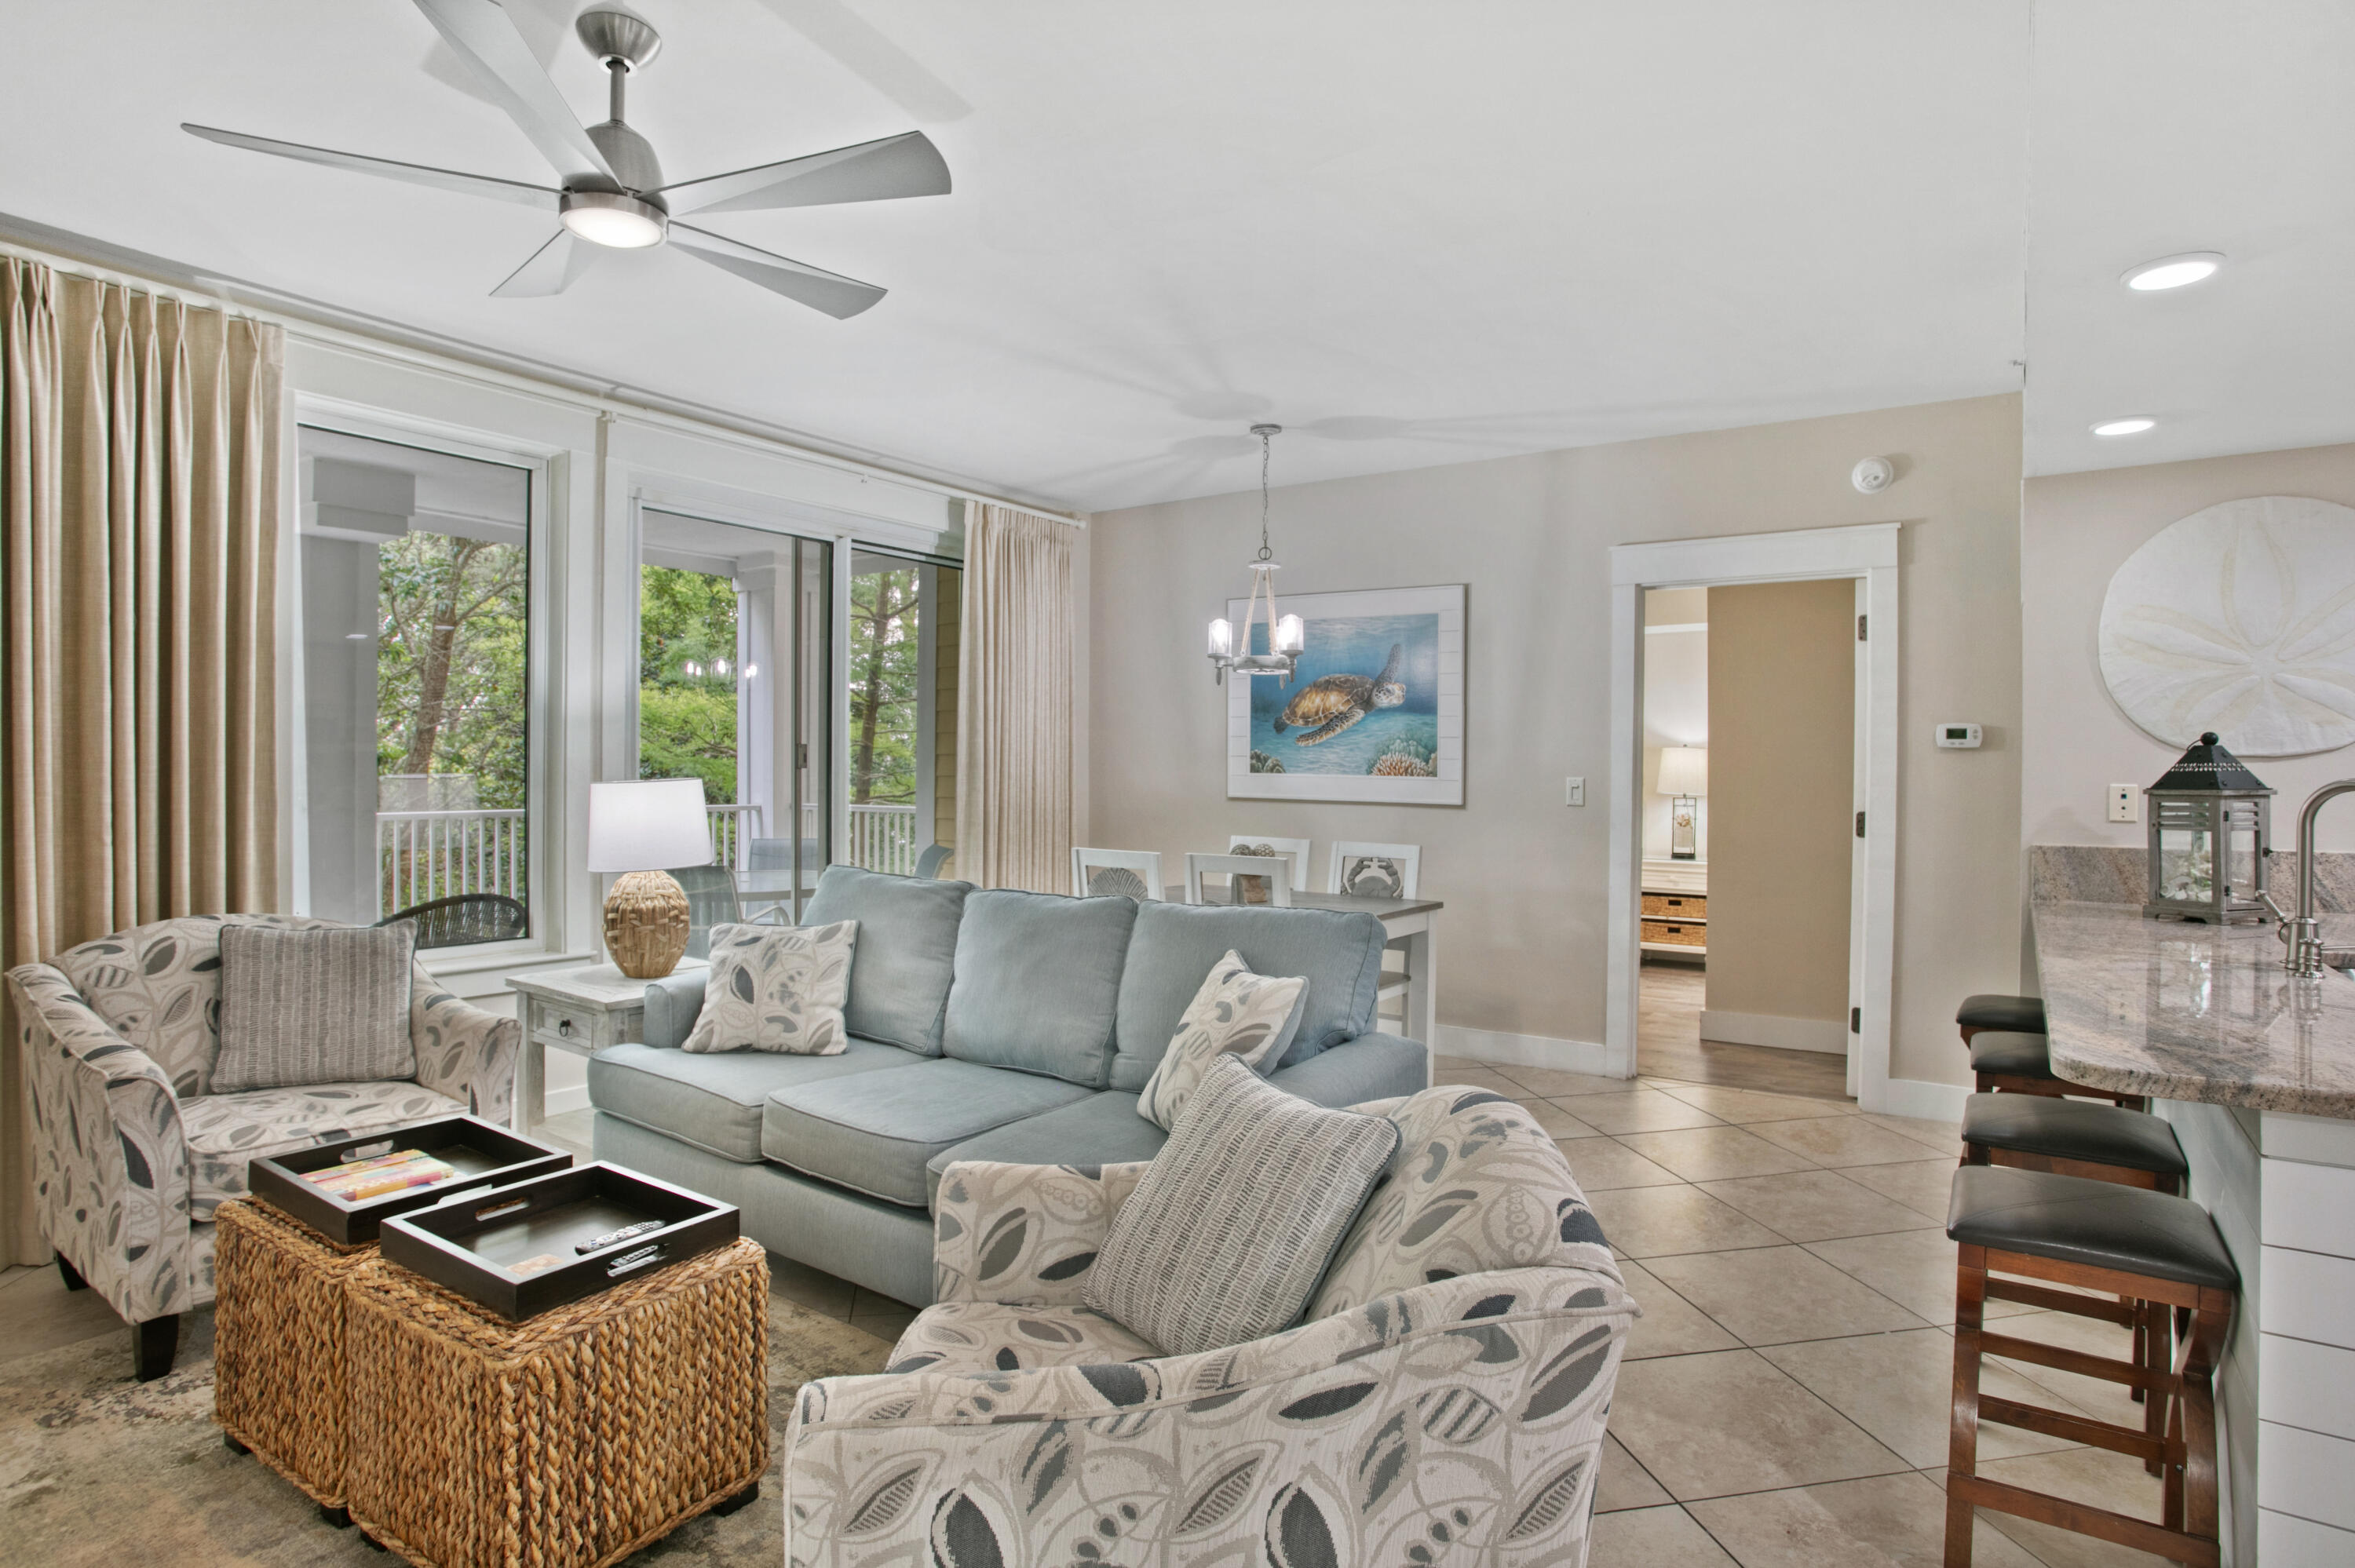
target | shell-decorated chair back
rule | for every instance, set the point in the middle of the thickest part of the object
(1477, 1185)
(159, 986)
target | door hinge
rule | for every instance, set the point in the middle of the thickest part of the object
(801, 754)
(1859, 824)
(1856, 1021)
(1859, 629)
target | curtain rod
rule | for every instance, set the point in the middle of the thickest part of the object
(332, 326)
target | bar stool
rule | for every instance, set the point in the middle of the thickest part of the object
(2003, 1014)
(2120, 1241)
(2013, 1063)
(2107, 1143)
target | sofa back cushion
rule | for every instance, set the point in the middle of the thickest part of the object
(907, 952)
(1477, 1185)
(1038, 982)
(159, 986)
(1339, 955)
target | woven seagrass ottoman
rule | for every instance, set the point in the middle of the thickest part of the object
(568, 1440)
(278, 1346)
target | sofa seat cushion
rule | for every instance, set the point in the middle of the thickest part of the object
(714, 1102)
(1175, 945)
(907, 952)
(875, 1134)
(1037, 980)
(979, 1338)
(225, 1131)
(1102, 1130)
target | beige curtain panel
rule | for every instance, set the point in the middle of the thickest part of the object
(1014, 706)
(139, 453)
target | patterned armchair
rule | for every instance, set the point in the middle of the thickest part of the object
(133, 1151)
(1442, 1400)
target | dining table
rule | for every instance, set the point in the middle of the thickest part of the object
(1410, 926)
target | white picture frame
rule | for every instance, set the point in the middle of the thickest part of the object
(1435, 657)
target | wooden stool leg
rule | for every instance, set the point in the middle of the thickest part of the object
(1963, 1421)
(2153, 1350)
(2195, 1371)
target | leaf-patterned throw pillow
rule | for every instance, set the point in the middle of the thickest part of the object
(1236, 1013)
(775, 988)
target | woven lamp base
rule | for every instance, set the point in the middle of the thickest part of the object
(645, 924)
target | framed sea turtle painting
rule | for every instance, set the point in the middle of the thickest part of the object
(1374, 713)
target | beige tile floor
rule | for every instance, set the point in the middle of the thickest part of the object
(1784, 1399)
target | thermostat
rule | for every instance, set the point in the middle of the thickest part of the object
(1964, 737)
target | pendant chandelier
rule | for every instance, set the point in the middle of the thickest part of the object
(1285, 635)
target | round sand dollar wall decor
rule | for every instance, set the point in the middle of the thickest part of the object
(2238, 619)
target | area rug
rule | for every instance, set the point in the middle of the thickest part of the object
(96, 1469)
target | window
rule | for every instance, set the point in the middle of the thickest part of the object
(415, 589)
(902, 695)
(733, 690)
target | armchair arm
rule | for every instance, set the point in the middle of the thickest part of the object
(1025, 1236)
(463, 1051)
(110, 1185)
(1476, 1403)
(673, 1004)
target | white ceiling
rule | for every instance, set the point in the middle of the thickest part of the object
(2162, 126)
(1415, 233)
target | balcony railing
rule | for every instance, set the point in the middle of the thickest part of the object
(425, 855)
(883, 838)
(733, 829)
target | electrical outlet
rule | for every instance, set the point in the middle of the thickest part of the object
(1574, 791)
(2124, 798)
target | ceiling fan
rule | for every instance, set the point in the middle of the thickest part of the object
(612, 194)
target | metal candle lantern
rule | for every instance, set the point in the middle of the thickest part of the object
(2211, 828)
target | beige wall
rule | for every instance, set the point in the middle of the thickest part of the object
(1525, 878)
(1782, 727)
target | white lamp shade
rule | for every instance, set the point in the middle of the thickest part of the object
(647, 824)
(1684, 771)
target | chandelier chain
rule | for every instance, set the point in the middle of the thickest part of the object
(1265, 553)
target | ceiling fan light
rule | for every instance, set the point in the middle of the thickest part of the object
(2173, 271)
(611, 218)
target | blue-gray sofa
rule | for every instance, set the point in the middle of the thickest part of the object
(1005, 1026)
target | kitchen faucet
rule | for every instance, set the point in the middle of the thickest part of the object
(2302, 933)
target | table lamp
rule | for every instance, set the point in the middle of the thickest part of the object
(1684, 777)
(641, 827)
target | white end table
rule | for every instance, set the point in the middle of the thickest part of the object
(578, 1011)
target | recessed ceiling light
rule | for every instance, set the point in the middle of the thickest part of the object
(2173, 271)
(2132, 426)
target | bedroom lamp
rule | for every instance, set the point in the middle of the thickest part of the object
(641, 827)
(1286, 636)
(1684, 777)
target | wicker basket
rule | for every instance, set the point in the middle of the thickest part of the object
(568, 1440)
(278, 1344)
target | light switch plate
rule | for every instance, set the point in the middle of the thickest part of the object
(1574, 791)
(2124, 798)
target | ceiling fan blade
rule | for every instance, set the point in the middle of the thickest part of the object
(553, 268)
(486, 39)
(836, 296)
(540, 196)
(904, 165)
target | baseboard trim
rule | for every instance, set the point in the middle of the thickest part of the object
(1524, 1050)
(558, 1101)
(1828, 1035)
(1925, 1099)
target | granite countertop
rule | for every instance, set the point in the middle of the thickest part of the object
(2188, 1012)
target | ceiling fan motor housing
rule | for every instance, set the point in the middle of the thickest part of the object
(616, 35)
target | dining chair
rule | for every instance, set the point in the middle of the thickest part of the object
(1376, 870)
(1295, 850)
(929, 863)
(1101, 873)
(710, 901)
(1274, 870)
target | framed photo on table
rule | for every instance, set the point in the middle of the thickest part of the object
(1374, 715)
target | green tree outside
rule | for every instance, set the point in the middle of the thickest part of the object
(452, 648)
(883, 610)
(687, 722)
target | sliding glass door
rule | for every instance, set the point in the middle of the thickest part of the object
(735, 689)
(900, 689)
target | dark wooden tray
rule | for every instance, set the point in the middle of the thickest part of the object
(467, 1244)
(486, 1154)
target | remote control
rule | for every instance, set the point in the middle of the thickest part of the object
(598, 1244)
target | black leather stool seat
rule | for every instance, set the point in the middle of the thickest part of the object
(2013, 1056)
(2011, 1014)
(2072, 1219)
(2073, 1129)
